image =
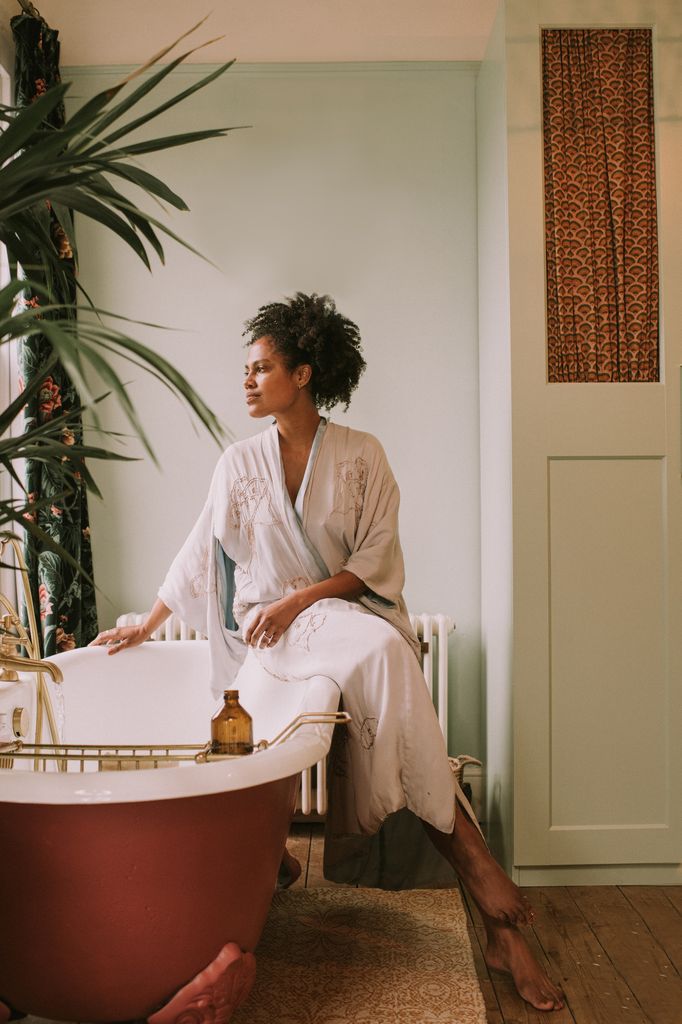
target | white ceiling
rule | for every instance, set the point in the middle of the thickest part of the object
(130, 31)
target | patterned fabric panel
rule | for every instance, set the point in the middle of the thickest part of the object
(64, 600)
(600, 205)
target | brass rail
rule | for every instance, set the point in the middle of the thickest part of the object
(126, 756)
(13, 635)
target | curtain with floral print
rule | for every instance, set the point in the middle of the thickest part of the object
(63, 599)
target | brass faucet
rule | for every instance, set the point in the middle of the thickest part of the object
(10, 665)
(14, 635)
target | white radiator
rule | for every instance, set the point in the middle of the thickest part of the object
(432, 630)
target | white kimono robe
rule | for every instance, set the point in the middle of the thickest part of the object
(346, 517)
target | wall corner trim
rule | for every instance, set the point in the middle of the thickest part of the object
(265, 69)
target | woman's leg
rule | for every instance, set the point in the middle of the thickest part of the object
(289, 870)
(493, 892)
(503, 907)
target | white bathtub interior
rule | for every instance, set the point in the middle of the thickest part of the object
(160, 694)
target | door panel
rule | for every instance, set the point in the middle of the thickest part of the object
(607, 568)
(597, 524)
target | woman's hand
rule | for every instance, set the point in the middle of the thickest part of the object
(120, 638)
(272, 621)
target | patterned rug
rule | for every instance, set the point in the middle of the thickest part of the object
(365, 956)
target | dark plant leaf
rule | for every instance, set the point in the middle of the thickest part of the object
(24, 125)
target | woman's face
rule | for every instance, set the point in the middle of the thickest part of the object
(270, 388)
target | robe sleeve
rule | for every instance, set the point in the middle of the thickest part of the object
(190, 588)
(188, 582)
(196, 587)
(377, 557)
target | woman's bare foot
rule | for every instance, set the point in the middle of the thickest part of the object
(493, 892)
(503, 906)
(507, 951)
(289, 870)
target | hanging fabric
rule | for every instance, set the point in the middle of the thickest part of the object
(600, 205)
(64, 599)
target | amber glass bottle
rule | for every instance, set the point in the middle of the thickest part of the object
(232, 727)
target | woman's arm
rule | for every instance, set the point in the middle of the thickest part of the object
(121, 637)
(272, 621)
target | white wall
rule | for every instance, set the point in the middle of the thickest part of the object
(357, 180)
(495, 412)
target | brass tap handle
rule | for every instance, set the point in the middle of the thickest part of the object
(9, 644)
(10, 626)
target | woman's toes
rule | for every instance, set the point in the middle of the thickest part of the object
(523, 916)
(527, 914)
(554, 1000)
(543, 1000)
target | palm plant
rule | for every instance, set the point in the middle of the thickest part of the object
(77, 168)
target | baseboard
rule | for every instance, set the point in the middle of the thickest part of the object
(600, 874)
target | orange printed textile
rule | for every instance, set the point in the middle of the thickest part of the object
(600, 205)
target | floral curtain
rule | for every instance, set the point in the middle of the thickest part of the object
(64, 601)
(600, 205)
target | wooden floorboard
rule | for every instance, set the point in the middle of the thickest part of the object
(615, 951)
(661, 916)
(633, 950)
(674, 894)
(316, 879)
(514, 1010)
(595, 990)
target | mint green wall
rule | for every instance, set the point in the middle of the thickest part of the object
(358, 180)
(495, 404)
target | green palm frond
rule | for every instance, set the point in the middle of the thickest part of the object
(70, 166)
(76, 168)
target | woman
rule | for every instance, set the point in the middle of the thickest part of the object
(294, 568)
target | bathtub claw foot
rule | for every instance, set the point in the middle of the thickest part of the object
(215, 993)
(7, 1013)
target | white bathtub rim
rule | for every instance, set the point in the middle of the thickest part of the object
(308, 746)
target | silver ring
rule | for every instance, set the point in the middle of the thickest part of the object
(268, 637)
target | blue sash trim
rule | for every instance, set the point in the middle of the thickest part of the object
(294, 513)
(225, 567)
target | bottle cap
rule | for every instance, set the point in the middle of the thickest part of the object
(231, 693)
